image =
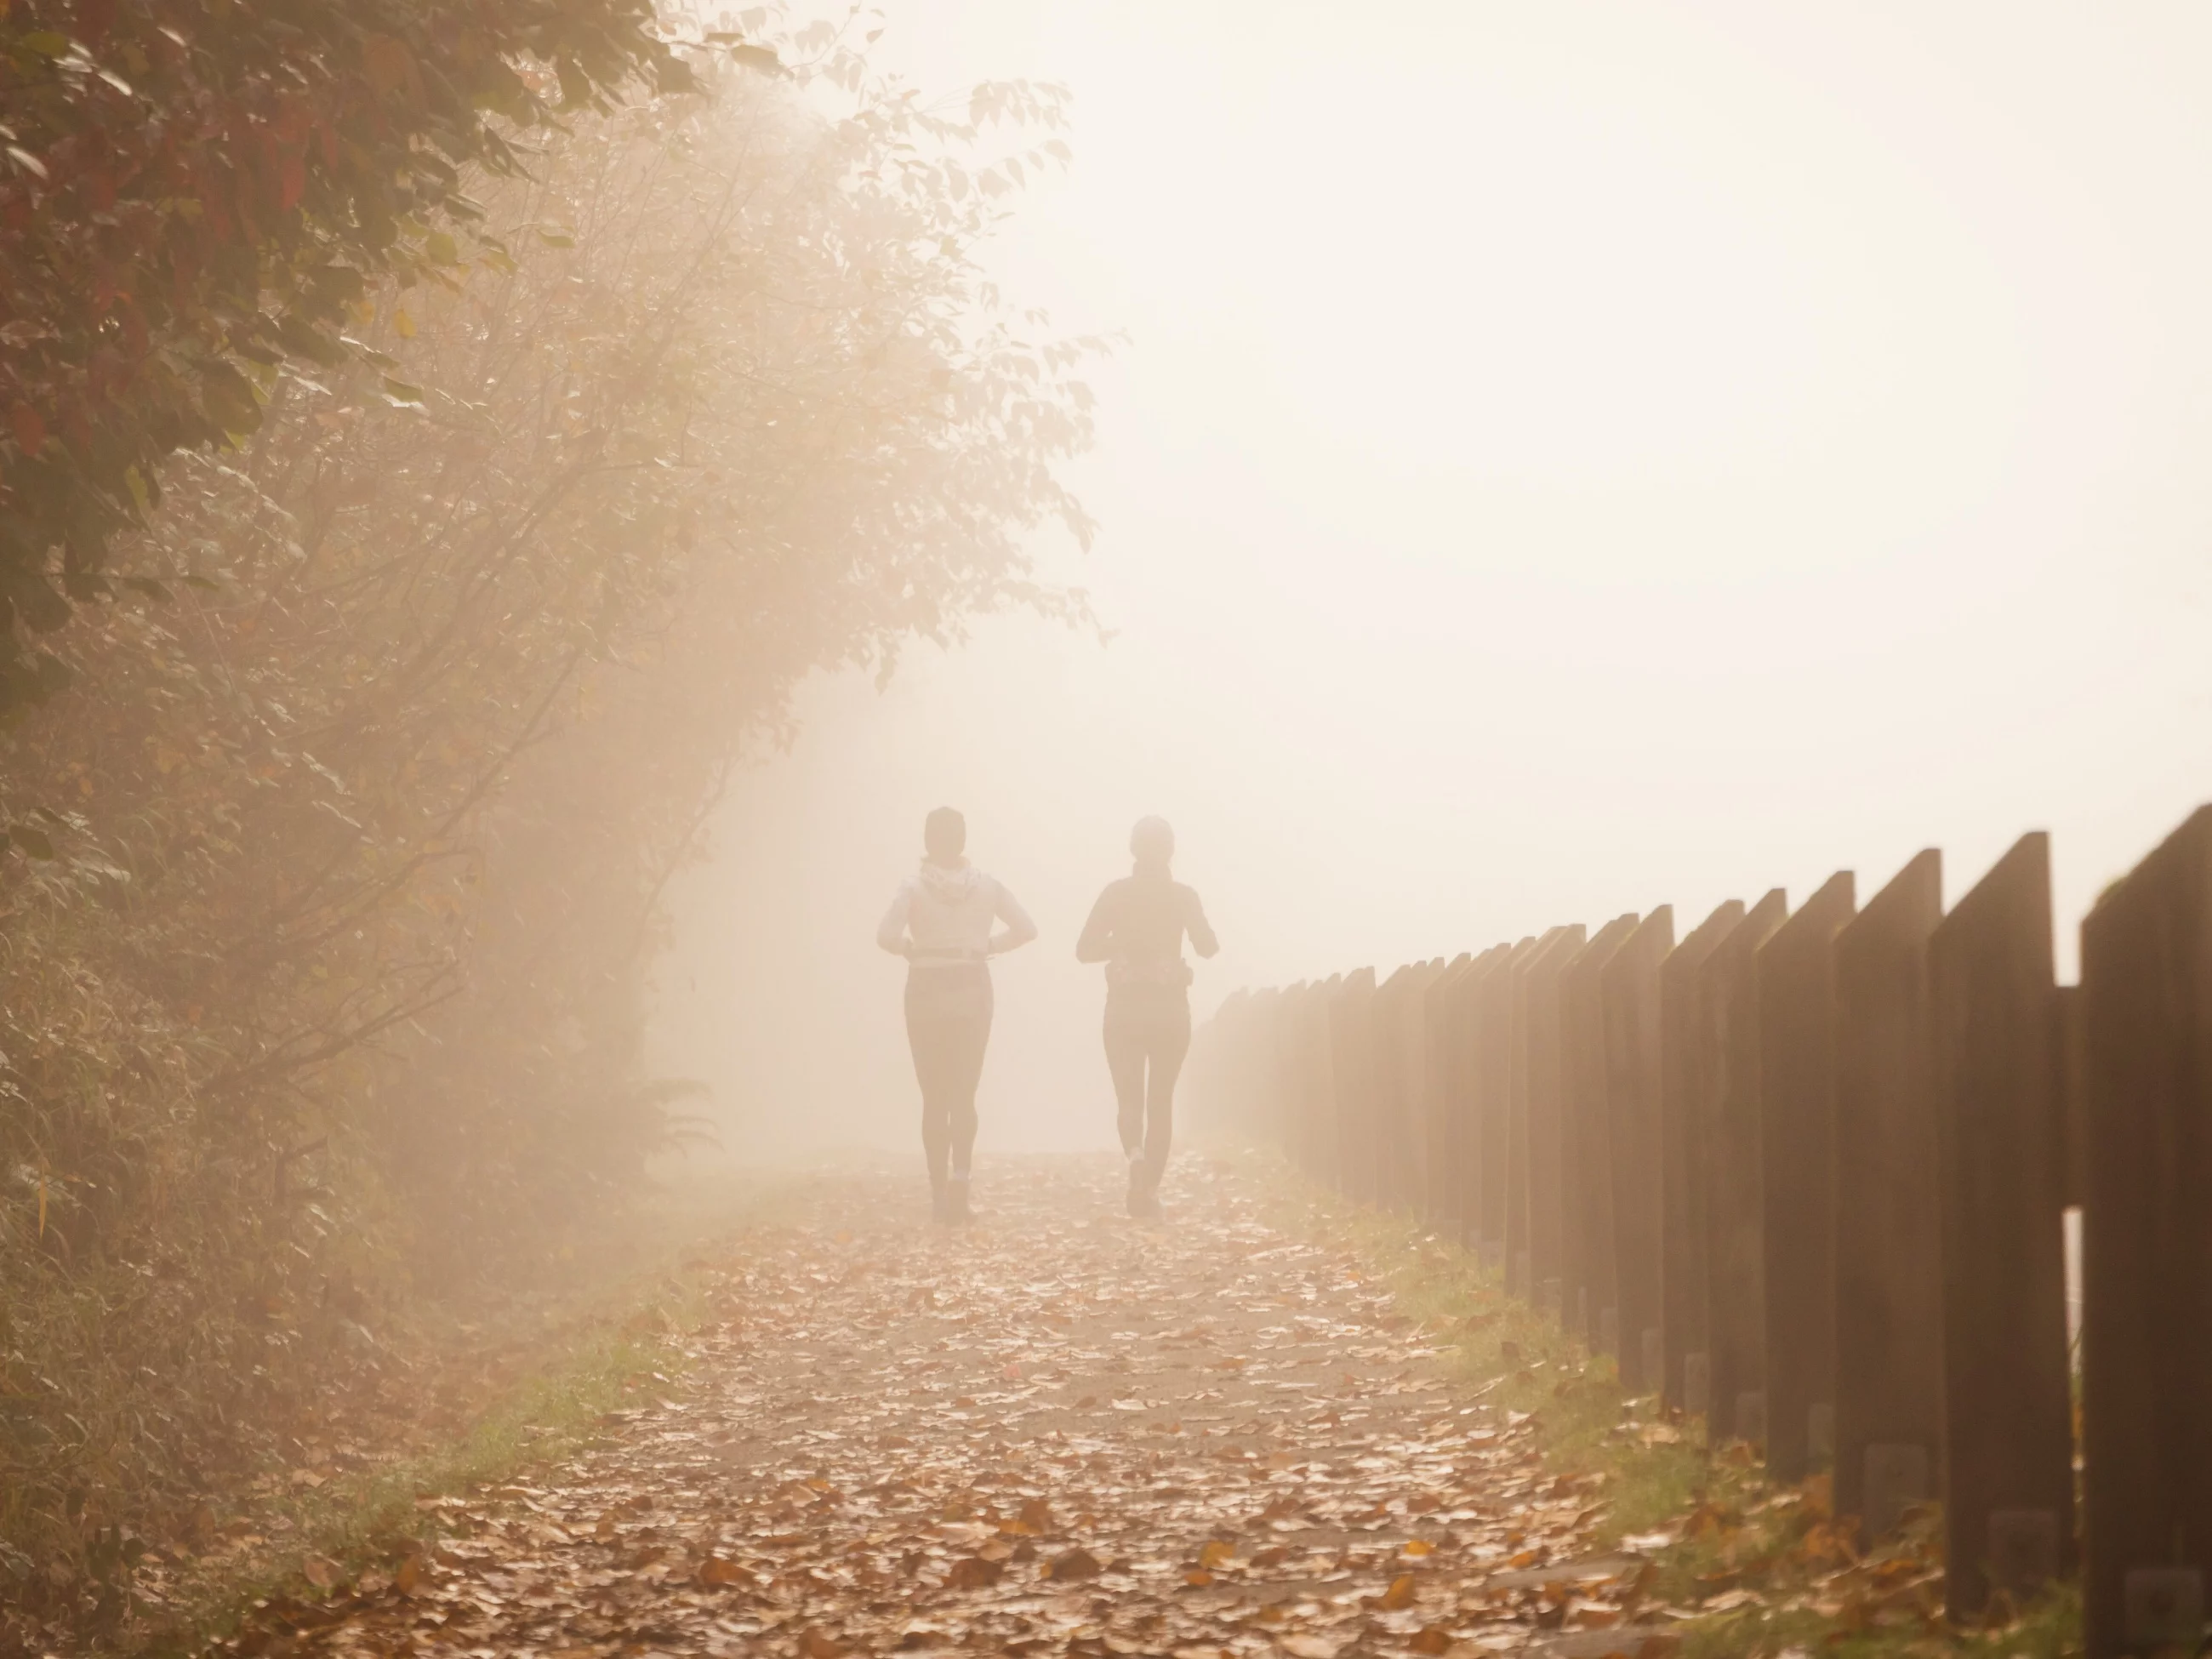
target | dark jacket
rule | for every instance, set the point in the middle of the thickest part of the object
(1137, 929)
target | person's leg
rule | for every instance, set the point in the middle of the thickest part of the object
(967, 1038)
(1168, 1045)
(926, 1037)
(1125, 1061)
(948, 1022)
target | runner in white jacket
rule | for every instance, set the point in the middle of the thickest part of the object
(942, 922)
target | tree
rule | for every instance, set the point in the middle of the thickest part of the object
(330, 982)
(195, 194)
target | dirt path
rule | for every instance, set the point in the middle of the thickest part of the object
(1055, 1433)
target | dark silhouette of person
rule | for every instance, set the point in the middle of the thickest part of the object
(941, 922)
(1137, 929)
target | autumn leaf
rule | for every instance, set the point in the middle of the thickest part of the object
(387, 63)
(974, 1572)
(821, 1534)
(1730, 1601)
(716, 1573)
(1073, 1566)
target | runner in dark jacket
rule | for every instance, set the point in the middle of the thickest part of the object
(1137, 929)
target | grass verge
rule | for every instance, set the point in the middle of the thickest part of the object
(296, 1541)
(1737, 1565)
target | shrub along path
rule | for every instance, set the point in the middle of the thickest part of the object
(1056, 1431)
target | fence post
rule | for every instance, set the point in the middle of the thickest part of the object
(1290, 1045)
(1797, 1111)
(1735, 1244)
(1317, 1080)
(2001, 1152)
(1535, 1179)
(2147, 1250)
(1443, 1097)
(1472, 991)
(1496, 1069)
(1586, 1293)
(1409, 1035)
(1258, 1104)
(1630, 991)
(1351, 1041)
(1385, 1095)
(1277, 1064)
(1682, 1166)
(1889, 1325)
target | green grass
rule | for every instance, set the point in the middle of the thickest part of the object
(1733, 1527)
(627, 1346)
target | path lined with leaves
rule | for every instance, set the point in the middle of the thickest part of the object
(1055, 1433)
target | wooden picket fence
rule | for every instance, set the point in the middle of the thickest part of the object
(1805, 1176)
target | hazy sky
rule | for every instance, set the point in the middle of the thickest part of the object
(1566, 459)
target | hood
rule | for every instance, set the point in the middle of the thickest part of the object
(954, 886)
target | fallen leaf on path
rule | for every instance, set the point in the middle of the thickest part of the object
(974, 1573)
(1730, 1601)
(916, 1442)
(717, 1573)
(1074, 1564)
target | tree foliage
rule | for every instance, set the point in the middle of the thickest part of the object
(326, 950)
(194, 193)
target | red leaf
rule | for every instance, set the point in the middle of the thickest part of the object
(387, 63)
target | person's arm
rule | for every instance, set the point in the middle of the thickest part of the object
(1096, 943)
(891, 933)
(1200, 930)
(1019, 929)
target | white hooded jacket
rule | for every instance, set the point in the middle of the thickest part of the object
(944, 913)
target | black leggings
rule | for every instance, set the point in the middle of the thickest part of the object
(948, 1023)
(1146, 1038)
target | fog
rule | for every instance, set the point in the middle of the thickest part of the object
(1562, 459)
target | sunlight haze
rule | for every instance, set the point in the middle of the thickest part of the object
(1560, 460)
